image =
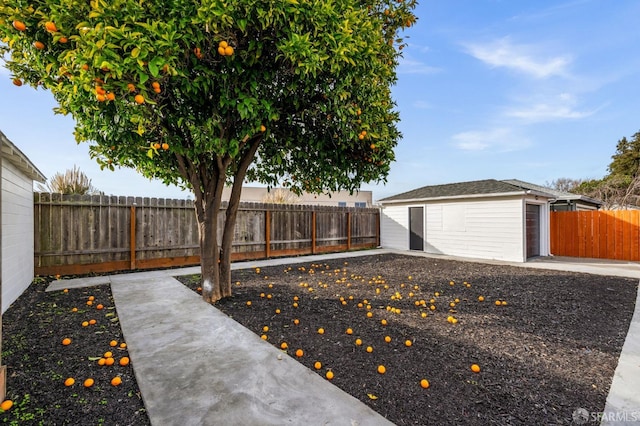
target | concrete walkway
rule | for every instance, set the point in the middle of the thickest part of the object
(188, 357)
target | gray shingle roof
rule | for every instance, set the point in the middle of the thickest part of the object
(478, 187)
(559, 195)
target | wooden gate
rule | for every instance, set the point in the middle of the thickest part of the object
(603, 234)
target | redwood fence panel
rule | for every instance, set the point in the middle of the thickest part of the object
(79, 234)
(603, 234)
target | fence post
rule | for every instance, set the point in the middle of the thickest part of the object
(313, 232)
(348, 230)
(132, 236)
(378, 228)
(267, 233)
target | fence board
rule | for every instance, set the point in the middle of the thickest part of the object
(597, 234)
(82, 234)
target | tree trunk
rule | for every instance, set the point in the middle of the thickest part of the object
(207, 205)
(232, 214)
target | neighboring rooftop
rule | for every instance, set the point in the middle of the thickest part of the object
(559, 195)
(462, 189)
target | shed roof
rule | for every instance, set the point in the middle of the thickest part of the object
(477, 188)
(18, 159)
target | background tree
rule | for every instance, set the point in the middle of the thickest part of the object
(621, 187)
(72, 181)
(565, 184)
(200, 94)
(280, 196)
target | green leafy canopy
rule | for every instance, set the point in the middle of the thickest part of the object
(311, 80)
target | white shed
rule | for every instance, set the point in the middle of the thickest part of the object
(485, 219)
(16, 221)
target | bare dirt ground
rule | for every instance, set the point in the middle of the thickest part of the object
(550, 349)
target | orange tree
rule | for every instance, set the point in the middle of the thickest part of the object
(214, 92)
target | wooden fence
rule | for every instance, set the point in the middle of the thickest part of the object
(79, 234)
(596, 234)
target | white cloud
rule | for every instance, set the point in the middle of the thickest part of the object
(498, 139)
(411, 66)
(422, 105)
(522, 58)
(561, 107)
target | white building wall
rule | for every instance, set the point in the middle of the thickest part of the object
(394, 227)
(17, 233)
(485, 228)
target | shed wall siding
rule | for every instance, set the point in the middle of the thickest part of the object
(17, 233)
(491, 229)
(394, 227)
(483, 229)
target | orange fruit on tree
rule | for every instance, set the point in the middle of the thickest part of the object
(17, 82)
(88, 383)
(130, 87)
(38, 45)
(69, 382)
(50, 26)
(221, 51)
(475, 368)
(124, 361)
(19, 25)
(110, 97)
(223, 44)
(155, 85)
(100, 98)
(66, 341)
(139, 99)
(6, 405)
(262, 128)
(116, 381)
(63, 40)
(382, 369)
(228, 51)
(424, 383)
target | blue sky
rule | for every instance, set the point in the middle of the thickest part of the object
(531, 90)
